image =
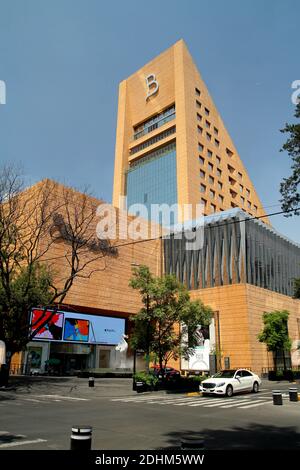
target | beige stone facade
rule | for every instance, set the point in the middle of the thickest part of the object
(240, 308)
(209, 168)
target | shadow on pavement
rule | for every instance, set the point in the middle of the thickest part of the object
(252, 436)
(28, 381)
(7, 438)
(6, 397)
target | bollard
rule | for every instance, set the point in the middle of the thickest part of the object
(277, 397)
(192, 443)
(293, 393)
(91, 381)
(81, 438)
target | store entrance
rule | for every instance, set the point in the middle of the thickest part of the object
(104, 359)
(68, 364)
(68, 359)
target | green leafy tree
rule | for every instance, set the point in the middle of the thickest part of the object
(166, 324)
(28, 287)
(289, 187)
(275, 333)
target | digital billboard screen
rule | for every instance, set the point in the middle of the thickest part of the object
(77, 327)
(53, 327)
(76, 330)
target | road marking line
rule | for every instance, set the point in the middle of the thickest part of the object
(207, 402)
(23, 443)
(169, 401)
(180, 398)
(263, 398)
(145, 397)
(257, 404)
(148, 399)
(186, 402)
(236, 401)
(221, 405)
(31, 399)
(132, 399)
(158, 402)
(241, 403)
(63, 397)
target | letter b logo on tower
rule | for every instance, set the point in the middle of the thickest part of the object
(152, 85)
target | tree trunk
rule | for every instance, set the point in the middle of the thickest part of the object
(275, 360)
(284, 362)
(161, 365)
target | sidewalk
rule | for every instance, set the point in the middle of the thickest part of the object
(70, 386)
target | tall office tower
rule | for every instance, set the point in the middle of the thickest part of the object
(172, 145)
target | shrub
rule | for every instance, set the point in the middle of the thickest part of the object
(197, 378)
(148, 379)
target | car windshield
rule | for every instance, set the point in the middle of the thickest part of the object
(225, 374)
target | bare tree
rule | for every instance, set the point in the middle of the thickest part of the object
(47, 240)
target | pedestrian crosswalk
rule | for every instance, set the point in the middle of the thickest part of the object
(243, 402)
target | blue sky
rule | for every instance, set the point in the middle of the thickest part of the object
(62, 61)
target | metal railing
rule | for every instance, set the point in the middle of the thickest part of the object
(266, 370)
(155, 125)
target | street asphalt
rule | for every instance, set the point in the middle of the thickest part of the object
(39, 412)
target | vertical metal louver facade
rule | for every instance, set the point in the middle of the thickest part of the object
(235, 250)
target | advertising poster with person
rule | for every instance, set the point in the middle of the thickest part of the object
(199, 360)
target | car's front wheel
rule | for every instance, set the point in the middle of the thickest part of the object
(255, 387)
(229, 391)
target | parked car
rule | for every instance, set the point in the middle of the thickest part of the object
(230, 381)
(169, 372)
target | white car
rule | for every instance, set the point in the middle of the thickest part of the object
(229, 381)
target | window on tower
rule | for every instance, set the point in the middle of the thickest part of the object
(153, 123)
